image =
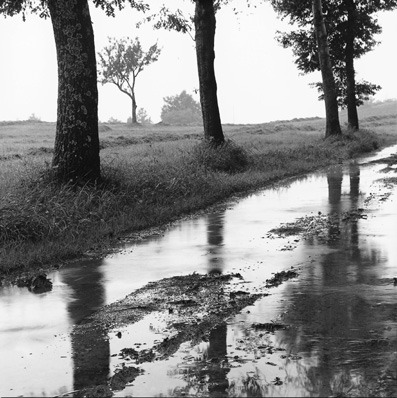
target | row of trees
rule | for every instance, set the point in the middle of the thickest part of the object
(76, 155)
(344, 31)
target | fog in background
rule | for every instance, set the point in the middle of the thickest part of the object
(257, 79)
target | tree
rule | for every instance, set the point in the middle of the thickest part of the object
(204, 22)
(181, 109)
(351, 28)
(143, 117)
(330, 99)
(121, 62)
(76, 155)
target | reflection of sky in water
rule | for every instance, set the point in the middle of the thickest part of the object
(347, 279)
(34, 345)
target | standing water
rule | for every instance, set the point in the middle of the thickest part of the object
(335, 327)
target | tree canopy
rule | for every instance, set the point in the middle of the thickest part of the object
(363, 27)
(13, 7)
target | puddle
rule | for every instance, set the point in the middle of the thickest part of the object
(340, 313)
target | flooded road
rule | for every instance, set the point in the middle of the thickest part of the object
(338, 319)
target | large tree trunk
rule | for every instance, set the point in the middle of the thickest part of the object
(352, 115)
(330, 98)
(76, 156)
(204, 22)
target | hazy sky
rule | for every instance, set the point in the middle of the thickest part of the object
(257, 79)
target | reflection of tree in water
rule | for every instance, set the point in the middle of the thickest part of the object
(207, 372)
(215, 231)
(250, 385)
(90, 349)
(334, 316)
(335, 179)
(354, 174)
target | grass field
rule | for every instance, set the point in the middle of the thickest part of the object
(153, 175)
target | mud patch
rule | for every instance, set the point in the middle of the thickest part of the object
(389, 161)
(389, 182)
(268, 327)
(123, 376)
(280, 277)
(383, 192)
(36, 284)
(323, 227)
(190, 306)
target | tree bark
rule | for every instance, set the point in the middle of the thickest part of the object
(204, 22)
(330, 97)
(352, 115)
(134, 106)
(76, 155)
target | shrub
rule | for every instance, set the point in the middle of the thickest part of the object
(181, 109)
(113, 120)
(34, 118)
(228, 157)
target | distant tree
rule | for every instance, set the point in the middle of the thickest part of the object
(143, 117)
(121, 62)
(351, 27)
(181, 109)
(34, 118)
(76, 154)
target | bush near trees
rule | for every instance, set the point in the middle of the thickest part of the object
(181, 109)
(143, 117)
(113, 120)
(34, 118)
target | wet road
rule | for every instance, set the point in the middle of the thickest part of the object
(340, 313)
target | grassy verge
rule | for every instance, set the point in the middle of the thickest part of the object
(149, 183)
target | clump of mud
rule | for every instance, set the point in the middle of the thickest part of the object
(123, 376)
(269, 327)
(35, 283)
(280, 277)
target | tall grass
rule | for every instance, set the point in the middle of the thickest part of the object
(145, 185)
